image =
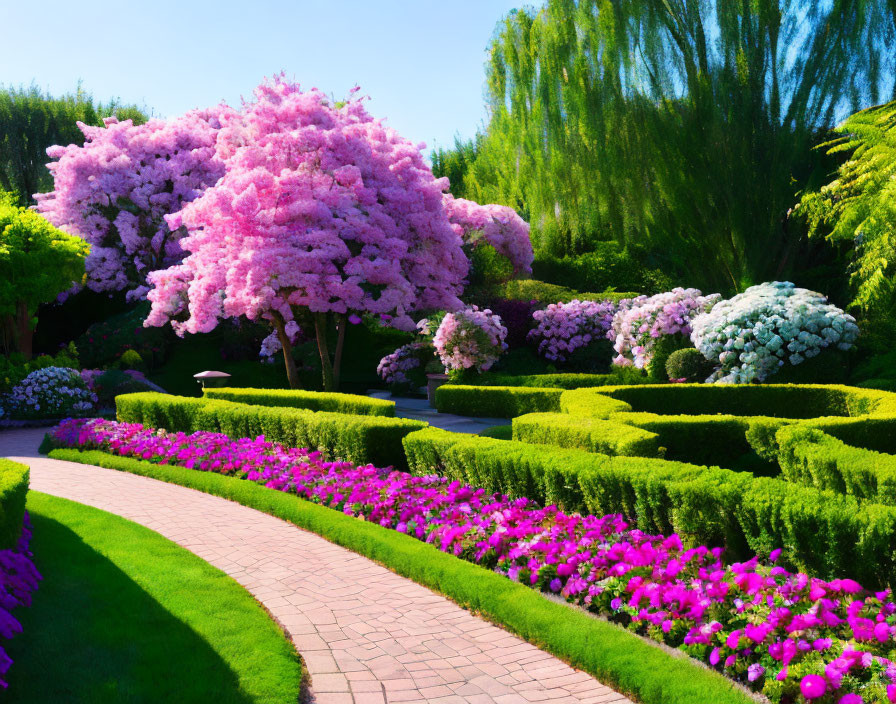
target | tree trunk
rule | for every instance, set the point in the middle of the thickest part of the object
(341, 324)
(320, 330)
(292, 374)
(25, 333)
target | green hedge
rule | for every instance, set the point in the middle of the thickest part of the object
(355, 438)
(649, 674)
(592, 434)
(495, 401)
(825, 533)
(562, 381)
(13, 491)
(543, 292)
(585, 402)
(309, 400)
(810, 457)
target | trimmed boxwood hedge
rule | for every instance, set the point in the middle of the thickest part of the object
(13, 491)
(495, 401)
(632, 665)
(811, 457)
(563, 381)
(590, 434)
(309, 400)
(823, 532)
(356, 438)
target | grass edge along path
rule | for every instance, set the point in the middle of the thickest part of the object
(614, 656)
(142, 619)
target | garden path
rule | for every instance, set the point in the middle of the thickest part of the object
(367, 635)
(419, 409)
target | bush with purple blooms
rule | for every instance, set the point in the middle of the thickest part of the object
(563, 328)
(641, 322)
(52, 392)
(470, 339)
(406, 367)
(793, 637)
(18, 578)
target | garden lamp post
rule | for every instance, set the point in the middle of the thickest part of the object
(211, 380)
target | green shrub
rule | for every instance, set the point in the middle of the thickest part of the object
(14, 368)
(131, 359)
(810, 457)
(592, 434)
(310, 400)
(13, 491)
(688, 364)
(500, 432)
(822, 532)
(533, 290)
(609, 266)
(104, 343)
(584, 402)
(617, 377)
(354, 438)
(495, 401)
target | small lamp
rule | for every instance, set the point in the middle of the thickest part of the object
(211, 380)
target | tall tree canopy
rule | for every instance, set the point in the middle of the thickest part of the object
(31, 121)
(683, 125)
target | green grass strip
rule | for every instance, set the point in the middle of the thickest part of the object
(125, 615)
(609, 653)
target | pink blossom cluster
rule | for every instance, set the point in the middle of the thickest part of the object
(116, 188)
(470, 339)
(394, 367)
(640, 321)
(320, 207)
(784, 633)
(18, 578)
(562, 328)
(271, 344)
(496, 225)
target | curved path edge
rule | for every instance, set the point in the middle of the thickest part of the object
(367, 635)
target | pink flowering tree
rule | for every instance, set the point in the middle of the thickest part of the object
(323, 214)
(496, 225)
(115, 190)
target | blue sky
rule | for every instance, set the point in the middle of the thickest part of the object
(420, 61)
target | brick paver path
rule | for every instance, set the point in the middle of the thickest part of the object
(367, 636)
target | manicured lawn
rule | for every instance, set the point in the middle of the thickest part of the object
(125, 615)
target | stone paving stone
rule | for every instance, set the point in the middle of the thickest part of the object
(367, 635)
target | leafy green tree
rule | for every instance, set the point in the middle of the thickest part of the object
(37, 263)
(31, 121)
(858, 209)
(686, 126)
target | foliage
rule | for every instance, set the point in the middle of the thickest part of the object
(18, 579)
(51, 392)
(616, 376)
(356, 438)
(14, 479)
(116, 188)
(496, 401)
(688, 365)
(104, 343)
(470, 339)
(687, 598)
(752, 335)
(859, 207)
(640, 323)
(14, 367)
(516, 317)
(606, 267)
(32, 121)
(591, 434)
(542, 292)
(113, 382)
(405, 368)
(680, 126)
(37, 262)
(495, 225)
(222, 645)
(311, 400)
(562, 329)
(647, 673)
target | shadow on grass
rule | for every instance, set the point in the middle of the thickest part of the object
(94, 635)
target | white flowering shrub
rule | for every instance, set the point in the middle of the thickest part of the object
(751, 336)
(52, 392)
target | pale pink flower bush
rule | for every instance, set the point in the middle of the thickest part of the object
(497, 225)
(115, 190)
(640, 322)
(399, 367)
(563, 328)
(470, 339)
(784, 633)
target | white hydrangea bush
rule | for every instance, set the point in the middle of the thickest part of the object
(751, 336)
(52, 392)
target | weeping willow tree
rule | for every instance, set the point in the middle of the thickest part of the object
(858, 208)
(685, 126)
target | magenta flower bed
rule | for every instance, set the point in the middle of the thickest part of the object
(793, 637)
(18, 578)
